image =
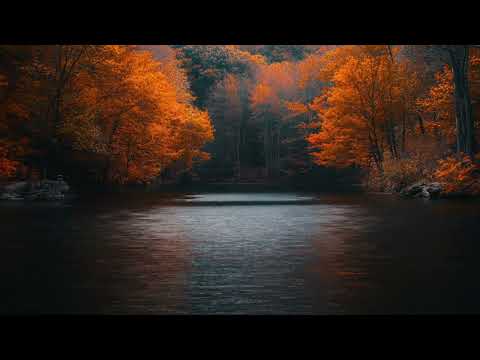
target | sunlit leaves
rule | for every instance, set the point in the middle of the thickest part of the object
(136, 112)
(438, 106)
(129, 115)
(362, 107)
(459, 175)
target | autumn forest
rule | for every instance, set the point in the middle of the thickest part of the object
(384, 116)
(239, 179)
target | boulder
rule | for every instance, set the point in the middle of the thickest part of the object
(422, 189)
(433, 189)
(413, 190)
(41, 190)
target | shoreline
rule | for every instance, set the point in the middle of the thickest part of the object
(175, 189)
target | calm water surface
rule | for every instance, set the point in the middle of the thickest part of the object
(268, 253)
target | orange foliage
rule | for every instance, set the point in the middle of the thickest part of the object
(263, 94)
(255, 59)
(275, 82)
(459, 175)
(8, 167)
(309, 70)
(177, 76)
(327, 65)
(296, 108)
(439, 106)
(135, 116)
(367, 92)
(341, 142)
(399, 173)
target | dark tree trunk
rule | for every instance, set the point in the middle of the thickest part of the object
(420, 123)
(391, 139)
(459, 58)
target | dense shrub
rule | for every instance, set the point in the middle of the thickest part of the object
(398, 174)
(459, 175)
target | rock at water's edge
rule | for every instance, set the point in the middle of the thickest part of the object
(42, 190)
(422, 189)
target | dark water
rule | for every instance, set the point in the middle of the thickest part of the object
(240, 254)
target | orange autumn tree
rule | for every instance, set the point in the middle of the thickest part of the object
(314, 73)
(379, 114)
(438, 108)
(228, 109)
(133, 118)
(266, 107)
(170, 66)
(357, 113)
(368, 113)
(274, 93)
(189, 134)
(458, 174)
(109, 111)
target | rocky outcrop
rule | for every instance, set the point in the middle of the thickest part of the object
(41, 190)
(422, 189)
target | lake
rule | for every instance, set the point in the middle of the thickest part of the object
(240, 253)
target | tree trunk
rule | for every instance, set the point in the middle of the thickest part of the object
(239, 139)
(420, 123)
(277, 163)
(459, 57)
(391, 139)
(266, 149)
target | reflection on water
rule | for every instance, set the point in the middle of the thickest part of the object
(248, 197)
(282, 255)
